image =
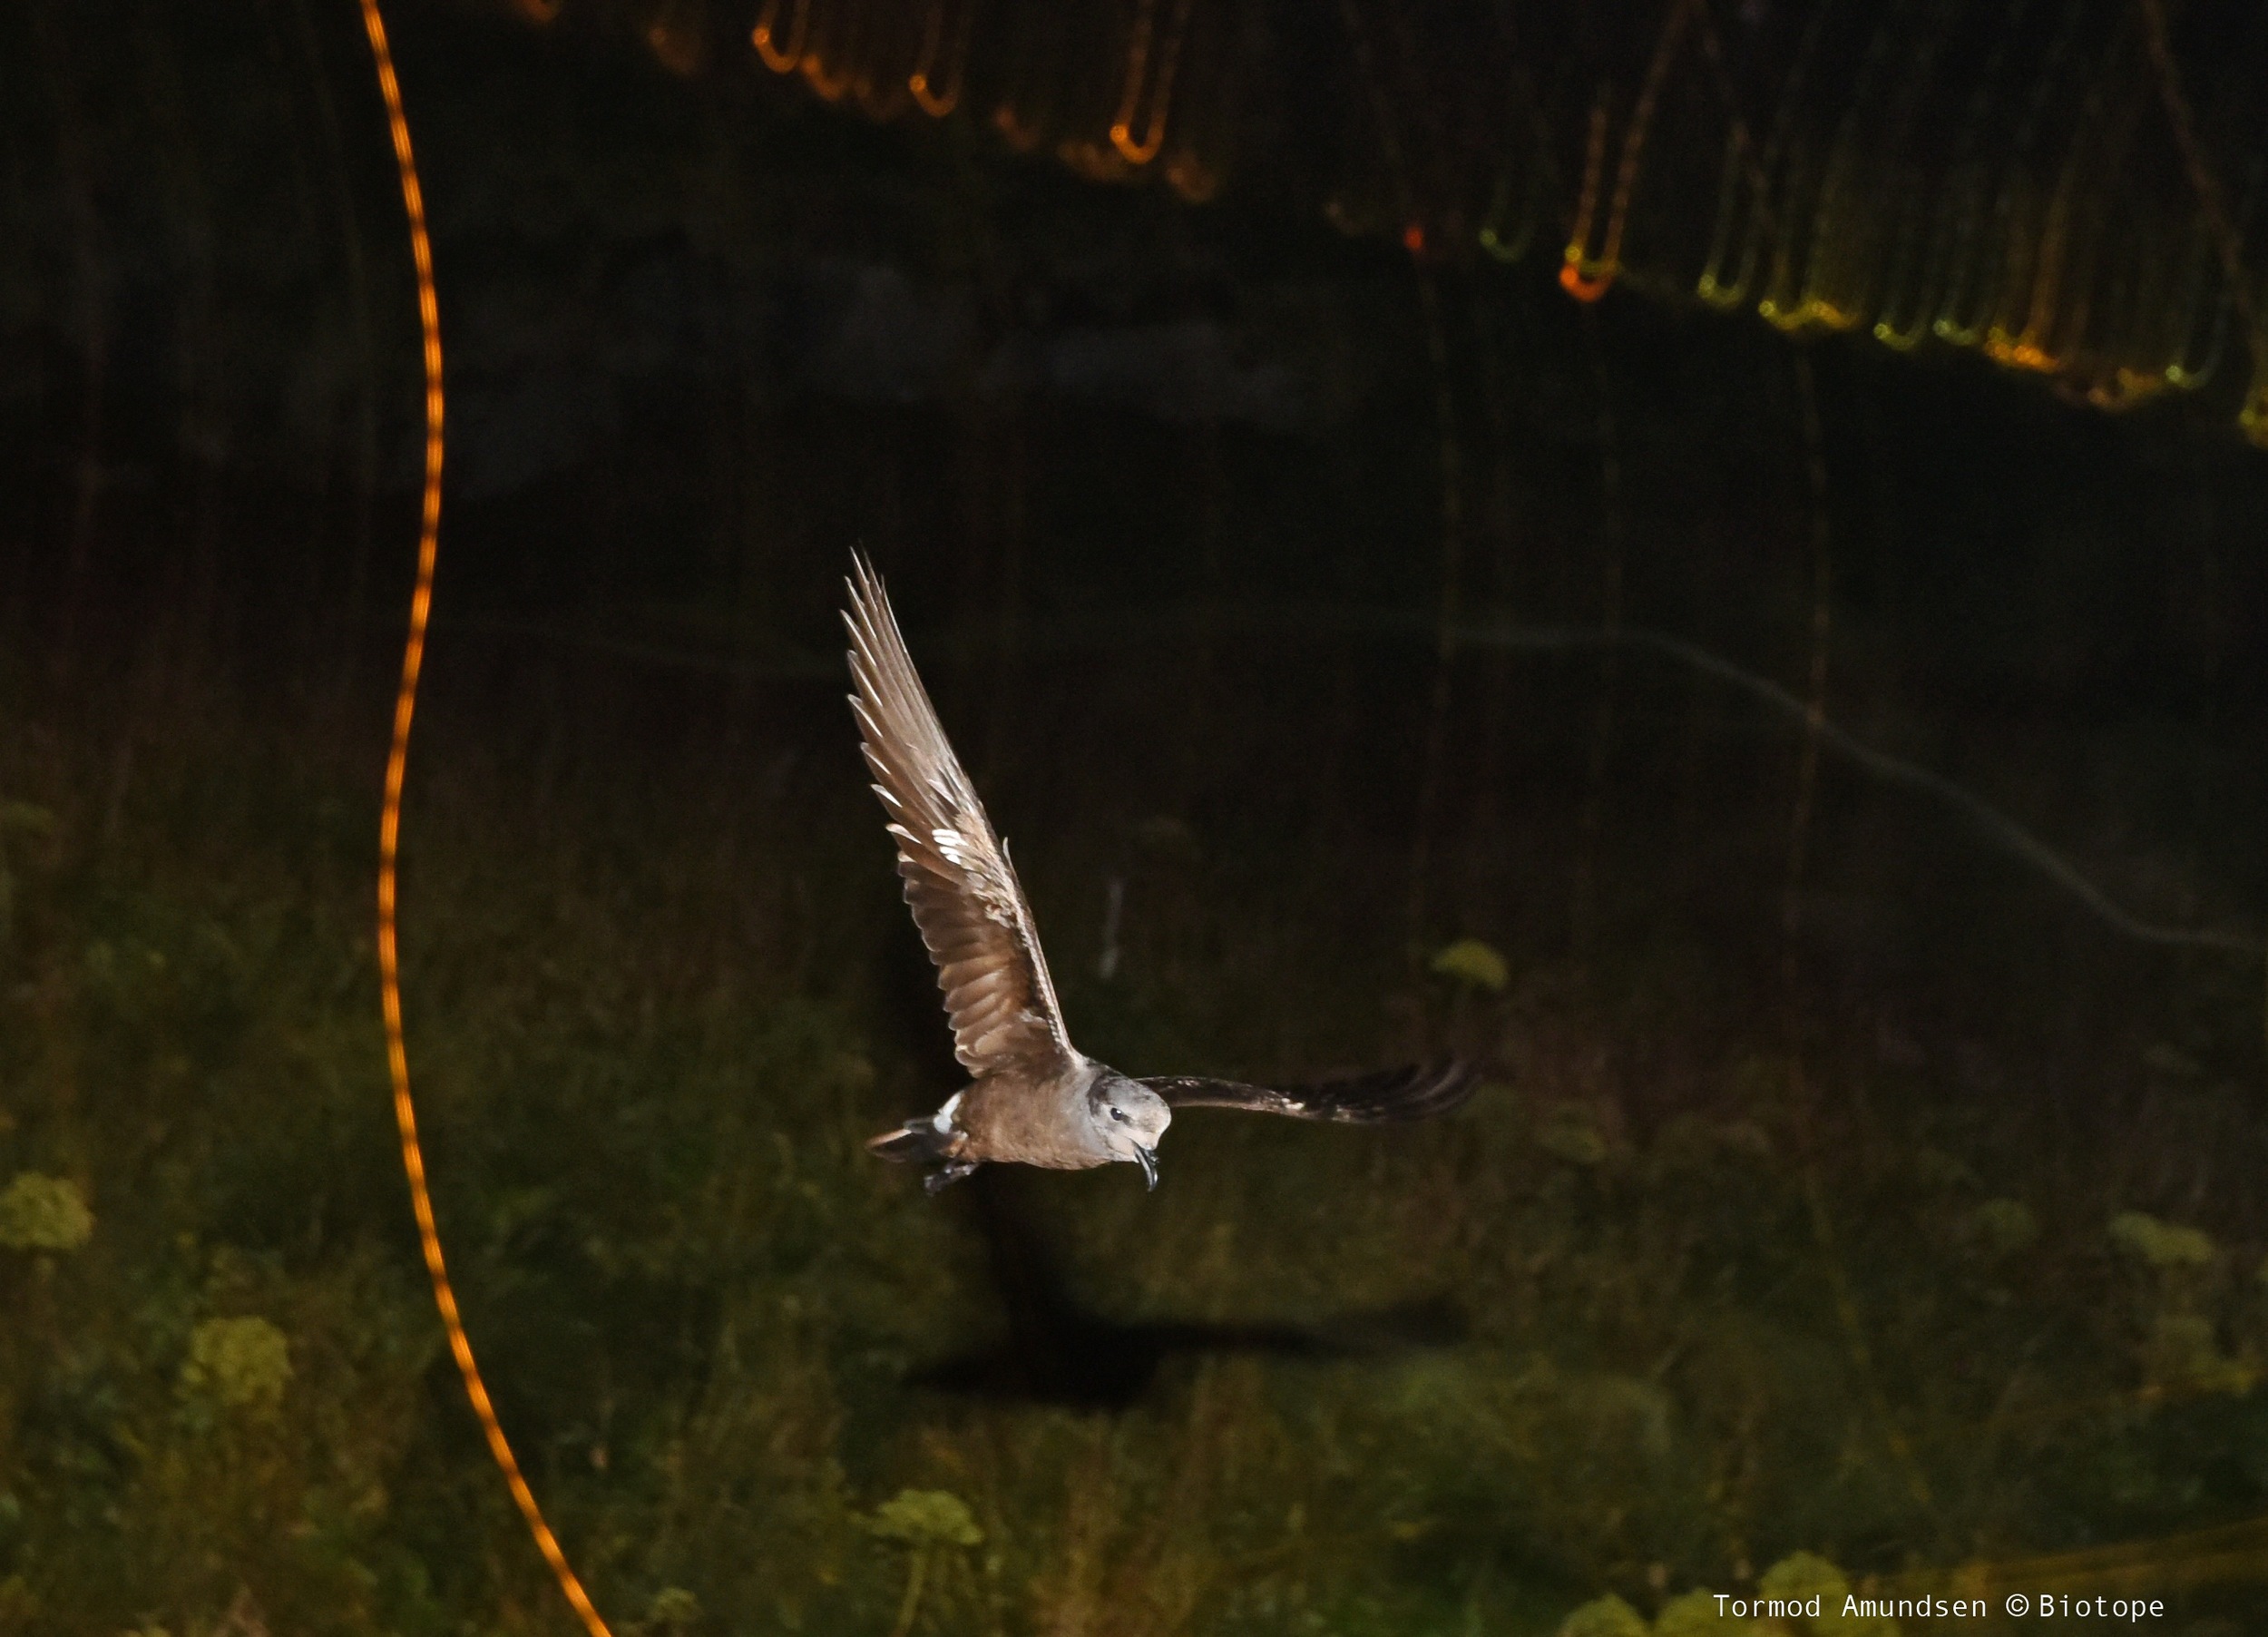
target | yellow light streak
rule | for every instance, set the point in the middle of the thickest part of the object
(1713, 289)
(390, 837)
(1741, 159)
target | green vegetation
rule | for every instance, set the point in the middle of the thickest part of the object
(1470, 961)
(2161, 1244)
(237, 1364)
(43, 1213)
(652, 1030)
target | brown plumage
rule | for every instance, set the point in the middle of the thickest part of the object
(1034, 1099)
(959, 881)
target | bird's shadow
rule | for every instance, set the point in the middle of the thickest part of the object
(1058, 1352)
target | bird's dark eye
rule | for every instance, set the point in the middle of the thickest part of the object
(1120, 1115)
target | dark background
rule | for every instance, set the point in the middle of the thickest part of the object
(1299, 567)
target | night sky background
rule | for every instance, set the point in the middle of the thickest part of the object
(1705, 557)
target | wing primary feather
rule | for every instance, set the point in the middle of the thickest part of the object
(1420, 1092)
(960, 884)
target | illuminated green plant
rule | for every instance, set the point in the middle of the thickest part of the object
(2001, 1228)
(922, 1520)
(242, 1364)
(1568, 1132)
(1695, 1614)
(1473, 964)
(1607, 1616)
(1803, 1576)
(2161, 1245)
(43, 1213)
(673, 1609)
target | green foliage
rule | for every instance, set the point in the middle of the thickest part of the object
(1802, 1576)
(2183, 1351)
(1603, 1617)
(1695, 1614)
(43, 1213)
(926, 1517)
(2161, 1245)
(1471, 962)
(1570, 1133)
(239, 1364)
(28, 818)
(673, 1609)
(698, 1302)
(2001, 1228)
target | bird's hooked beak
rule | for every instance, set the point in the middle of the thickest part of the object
(1148, 1158)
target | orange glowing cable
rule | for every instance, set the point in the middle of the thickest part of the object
(880, 85)
(830, 57)
(1588, 280)
(2227, 241)
(831, 84)
(1142, 151)
(2096, 342)
(390, 837)
(765, 37)
(2031, 346)
(1020, 134)
(924, 81)
(1137, 60)
(1576, 277)
(1190, 176)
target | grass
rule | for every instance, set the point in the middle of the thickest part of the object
(653, 1019)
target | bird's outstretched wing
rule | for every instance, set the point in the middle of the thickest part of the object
(963, 889)
(1417, 1093)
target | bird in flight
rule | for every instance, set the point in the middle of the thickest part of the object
(1034, 1099)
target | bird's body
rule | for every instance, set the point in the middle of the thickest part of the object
(1022, 1120)
(1032, 1099)
(1079, 1117)
(1018, 1120)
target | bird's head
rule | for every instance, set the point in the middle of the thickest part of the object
(1132, 1118)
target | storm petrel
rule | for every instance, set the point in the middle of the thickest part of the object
(1034, 1099)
